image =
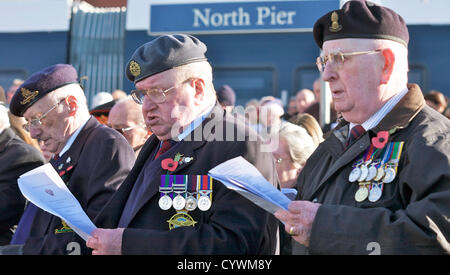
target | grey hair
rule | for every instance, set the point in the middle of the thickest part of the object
(300, 143)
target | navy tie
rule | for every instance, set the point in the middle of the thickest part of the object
(355, 133)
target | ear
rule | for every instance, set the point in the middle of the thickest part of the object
(72, 102)
(200, 88)
(388, 67)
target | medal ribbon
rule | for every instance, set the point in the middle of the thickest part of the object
(204, 185)
(396, 154)
(165, 186)
(180, 185)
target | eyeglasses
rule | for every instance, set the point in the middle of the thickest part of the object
(157, 95)
(123, 130)
(37, 121)
(337, 59)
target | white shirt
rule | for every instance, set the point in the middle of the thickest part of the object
(72, 138)
(382, 112)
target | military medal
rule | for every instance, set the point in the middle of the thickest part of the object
(362, 193)
(372, 171)
(204, 189)
(179, 188)
(391, 166)
(364, 173)
(356, 172)
(375, 192)
(165, 188)
(380, 174)
(389, 175)
(191, 201)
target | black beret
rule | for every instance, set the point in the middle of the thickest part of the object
(226, 96)
(361, 19)
(39, 84)
(164, 53)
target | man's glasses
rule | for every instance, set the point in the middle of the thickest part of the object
(337, 59)
(156, 95)
(123, 130)
(37, 121)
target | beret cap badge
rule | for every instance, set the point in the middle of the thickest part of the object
(335, 27)
(28, 96)
(135, 69)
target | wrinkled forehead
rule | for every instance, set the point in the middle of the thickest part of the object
(162, 79)
(348, 45)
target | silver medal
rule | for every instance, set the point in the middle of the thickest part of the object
(372, 173)
(204, 203)
(191, 203)
(364, 173)
(165, 202)
(354, 174)
(389, 175)
(179, 202)
(375, 193)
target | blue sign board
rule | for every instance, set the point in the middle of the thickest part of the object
(238, 17)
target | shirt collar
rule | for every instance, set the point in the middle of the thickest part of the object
(195, 123)
(382, 112)
(72, 138)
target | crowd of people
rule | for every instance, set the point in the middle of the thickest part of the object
(379, 174)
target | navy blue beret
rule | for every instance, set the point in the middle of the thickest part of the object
(361, 19)
(164, 53)
(41, 83)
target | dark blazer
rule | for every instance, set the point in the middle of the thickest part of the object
(233, 224)
(411, 217)
(93, 168)
(16, 158)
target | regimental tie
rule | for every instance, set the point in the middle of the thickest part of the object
(164, 148)
(355, 133)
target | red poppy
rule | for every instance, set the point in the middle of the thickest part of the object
(169, 164)
(381, 139)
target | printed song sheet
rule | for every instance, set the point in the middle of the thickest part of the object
(45, 188)
(241, 176)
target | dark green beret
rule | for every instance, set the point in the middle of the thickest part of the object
(39, 84)
(361, 19)
(164, 53)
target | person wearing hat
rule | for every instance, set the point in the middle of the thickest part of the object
(380, 182)
(226, 97)
(168, 204)
(92, 159)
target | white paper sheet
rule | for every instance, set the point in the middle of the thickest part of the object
(240, 175)
(45, 188)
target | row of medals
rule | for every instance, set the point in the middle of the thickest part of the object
(372, 176)
(190, 203)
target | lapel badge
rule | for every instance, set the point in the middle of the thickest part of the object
(68, 160)
(60, 166)
(135, 69)
(335, 27)
(28, 96)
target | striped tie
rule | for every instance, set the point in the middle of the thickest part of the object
(355, 133)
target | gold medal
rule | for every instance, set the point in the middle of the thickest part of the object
(362, 193)
(380, 174)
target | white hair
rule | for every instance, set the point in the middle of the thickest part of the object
(101, 98)
(300, 143)
(4, 118)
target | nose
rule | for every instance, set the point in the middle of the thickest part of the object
(329, 73)
(148, 105)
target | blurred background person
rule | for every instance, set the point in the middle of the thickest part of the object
(16, 158)
(226, 97)
(314, 108)
(304, 99)
(101, 98)
(436, 100)
(252, 113)
(295, 147)
(311, 126)
(12, 89)
(270, 113)
(126, 117)
(118, 94)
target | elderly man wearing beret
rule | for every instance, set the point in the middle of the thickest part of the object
(92, 159)
(168, 204)
(380, 182)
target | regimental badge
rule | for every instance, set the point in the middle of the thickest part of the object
(181, 218)
(64, 229)
(335, 26)
(28, 95)
(135, 69)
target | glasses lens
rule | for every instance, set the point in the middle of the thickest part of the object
(138, 96)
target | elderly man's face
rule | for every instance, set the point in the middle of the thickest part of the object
(354, 85)
(178, 110)
(52, 133)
